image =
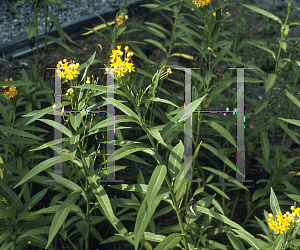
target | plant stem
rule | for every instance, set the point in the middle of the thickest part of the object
(168, 57)
(35, 72)
(158, 158)
(87, 215)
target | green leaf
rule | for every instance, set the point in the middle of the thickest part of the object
(74, 145)
(61, 215)
(57, 26)
(125, 109)
(263, 226)
(270, 82)
(222, 131)
(5, 214)
(118, 119)
(18, 141)
(50, 143)
(41, 113)
(32, 28)
(57, 125)
(274, 203)
(88, 64)
(43, 166)
(218, 191)
(157, 179)
(292, 98)
(175, 159)
(34, 200)
(75, 120)
(235, 241)
(263, 48)
(220, 55)
(263, 12)
(258, 193)
(182, 115)
(157, 44)
(164, 5)
(191, 43)
(59, 42)
(291, 121)
(14, 131)
(131, 148)
(249, 238)
(170, 242)
(155, 133)
(157, 99)
(143, 218)
(220, 155)
(140, 188)
(225, 176)
(105, 205)
(265, 145)
(260, 106)
(221, 217)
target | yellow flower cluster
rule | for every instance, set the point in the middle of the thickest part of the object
(118, 65)
(284, 221)
(120, 19)
(68, 69)
(12, 91)
(201, 3)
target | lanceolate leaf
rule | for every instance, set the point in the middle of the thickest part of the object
(143, 218)
(125, 109)
(222, 131)
(175, 159)
(274, 203)
(55, 124)
(181, 116)
(169, 242)
(105, 204)
(61, 215)
(270, 82)
(155, 183)
(43, 166)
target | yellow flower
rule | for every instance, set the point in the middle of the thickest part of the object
(228, 14)
(169, 71)
(67, 70)
(126, 17)
(201, 3)
(297, 210)
(88, 81)
(120, 67)
(12, 91)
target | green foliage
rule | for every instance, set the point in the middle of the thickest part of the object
(163, 210)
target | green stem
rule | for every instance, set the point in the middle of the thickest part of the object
(35, 73)
(72, 243)
(158, 158)
(168, 57)
(270, 93)
(290, 107)
(87, 215)
(45, 46)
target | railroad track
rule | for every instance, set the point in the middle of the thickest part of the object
(73, 29)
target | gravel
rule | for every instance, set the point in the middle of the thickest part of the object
(14, 23)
